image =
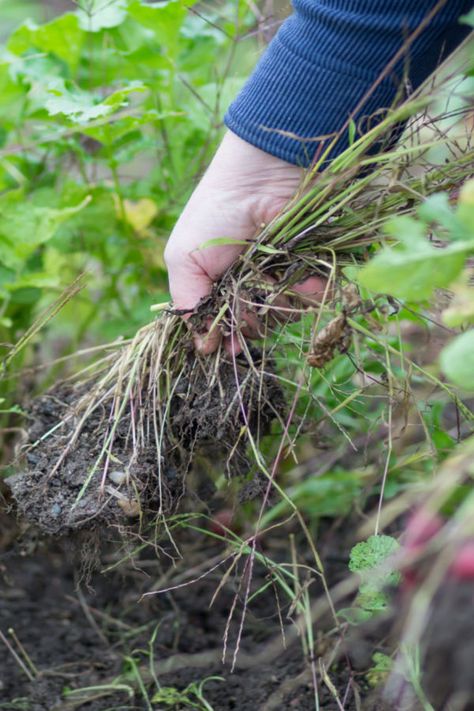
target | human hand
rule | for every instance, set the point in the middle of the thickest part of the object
(243, 189)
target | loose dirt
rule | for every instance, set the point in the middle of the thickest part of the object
(80, 636)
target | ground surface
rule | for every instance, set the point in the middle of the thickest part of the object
(84, 633)
(79, 635)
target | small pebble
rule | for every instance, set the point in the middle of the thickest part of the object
(55, 510)
(130, 507)
(118, 477)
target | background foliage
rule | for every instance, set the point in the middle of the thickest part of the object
(108, 113)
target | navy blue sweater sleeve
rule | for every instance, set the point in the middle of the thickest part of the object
(325, 58)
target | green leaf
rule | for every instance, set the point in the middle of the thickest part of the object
(352, 132)
(80, 107)
(371, 560)
(102, 14)
(468, 19)
(408, 231)
(221, 242)
(23, 226)
(164, 18)
(457, 360)
(436, 209)
(367, 555)
(62, 37)
(112, 129)
(413, 274)
(12, 97)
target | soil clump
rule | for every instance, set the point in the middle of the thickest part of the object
(81, 472)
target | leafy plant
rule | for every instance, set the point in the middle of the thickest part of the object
(379, 671)
(413, 268)
(190, 697)
(372, 561)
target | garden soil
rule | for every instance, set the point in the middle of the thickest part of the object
(81, 632)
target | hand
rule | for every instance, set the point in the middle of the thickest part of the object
(242, 189)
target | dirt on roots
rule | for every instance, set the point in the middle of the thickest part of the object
(76, 475)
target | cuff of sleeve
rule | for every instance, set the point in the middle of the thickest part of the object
(290, 105)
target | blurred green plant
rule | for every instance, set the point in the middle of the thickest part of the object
(108, 114)
(372, 561)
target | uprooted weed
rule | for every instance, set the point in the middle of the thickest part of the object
(120, 442)
(120, 445)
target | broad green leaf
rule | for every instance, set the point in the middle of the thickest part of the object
(101, 14)
(408, 231)
(62, 37)
(457, 360)
(436, 209)
(371, 560)
(23, 226)
(12, 97)
(468, 19)
(77, 108)
(80, 107)
(413, 274)
(164, 18)
(112, 129)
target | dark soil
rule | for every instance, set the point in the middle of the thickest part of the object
(83, 633)
(79, 636)
(205, 412)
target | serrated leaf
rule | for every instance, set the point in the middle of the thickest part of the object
(112, 129)
(102, 14)
(76, 108)
(457, 360)
(369, 554)
(80, 108)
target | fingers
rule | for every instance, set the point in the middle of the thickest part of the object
(189, 284)
(311, 292)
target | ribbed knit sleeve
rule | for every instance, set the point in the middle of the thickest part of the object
(325, 58)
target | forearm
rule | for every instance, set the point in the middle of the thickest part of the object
(325, 59)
